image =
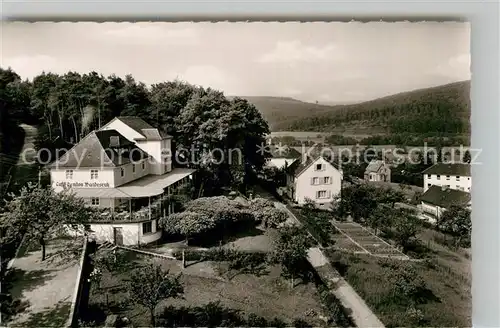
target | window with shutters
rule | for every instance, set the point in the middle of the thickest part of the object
(321, 194)
(327, 180)
(315, 181)
(319, 167)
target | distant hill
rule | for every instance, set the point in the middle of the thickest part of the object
(442, 109)
(281, 112)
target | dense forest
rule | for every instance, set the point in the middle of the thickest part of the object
(443, 109)
(67, 107)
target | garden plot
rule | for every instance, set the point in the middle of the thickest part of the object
(366, 241)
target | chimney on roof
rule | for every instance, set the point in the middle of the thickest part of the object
(114, 141)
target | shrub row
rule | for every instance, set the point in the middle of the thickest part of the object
(318, 232)
(214, 314)
(238, 259)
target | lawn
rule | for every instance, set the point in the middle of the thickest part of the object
(266, 295)
(446, 277)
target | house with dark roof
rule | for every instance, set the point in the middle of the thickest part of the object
(316, 178)
(377, 170)
(124, 171)
(455, 176)
(438, 199)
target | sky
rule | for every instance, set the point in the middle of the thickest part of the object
(324, 62)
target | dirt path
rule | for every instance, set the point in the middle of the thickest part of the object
(47, 287)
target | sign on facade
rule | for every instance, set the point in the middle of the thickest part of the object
(82, 184)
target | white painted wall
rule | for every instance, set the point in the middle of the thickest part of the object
(129, 174)
(305, 189)
(132, 232)
(158, 165)
(462, 183)
(82, 176)
(378, 176)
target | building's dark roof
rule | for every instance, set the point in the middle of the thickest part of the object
(297, 167)
(435, 195)
(144, 128)
(95, 151)
(374, 166)
(105, 136)
(284, 152)
(449, 169)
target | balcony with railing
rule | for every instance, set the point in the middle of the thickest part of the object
(135, 210)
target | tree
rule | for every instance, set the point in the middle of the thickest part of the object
(467, 157)
(359, 201)
(456, 221)
(150, 285)
(290, 251)
(408, 285)
(406, 227)
(390, 196)
(40, 213)
(264, 211)
(380, 219)
(187, 224)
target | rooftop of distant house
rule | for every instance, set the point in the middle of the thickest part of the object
(449, 169)
(374, 166)
(297, 167)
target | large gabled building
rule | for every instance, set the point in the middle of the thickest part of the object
(453, 176)
(124, 170)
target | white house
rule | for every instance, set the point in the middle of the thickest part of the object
(315, 178)
(452, 176)
(378, 171)
(125, 171)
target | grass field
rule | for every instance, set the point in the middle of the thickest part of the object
(267, 295)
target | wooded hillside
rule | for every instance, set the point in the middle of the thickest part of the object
(443, 109)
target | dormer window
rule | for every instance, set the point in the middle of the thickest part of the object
(69, 174)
